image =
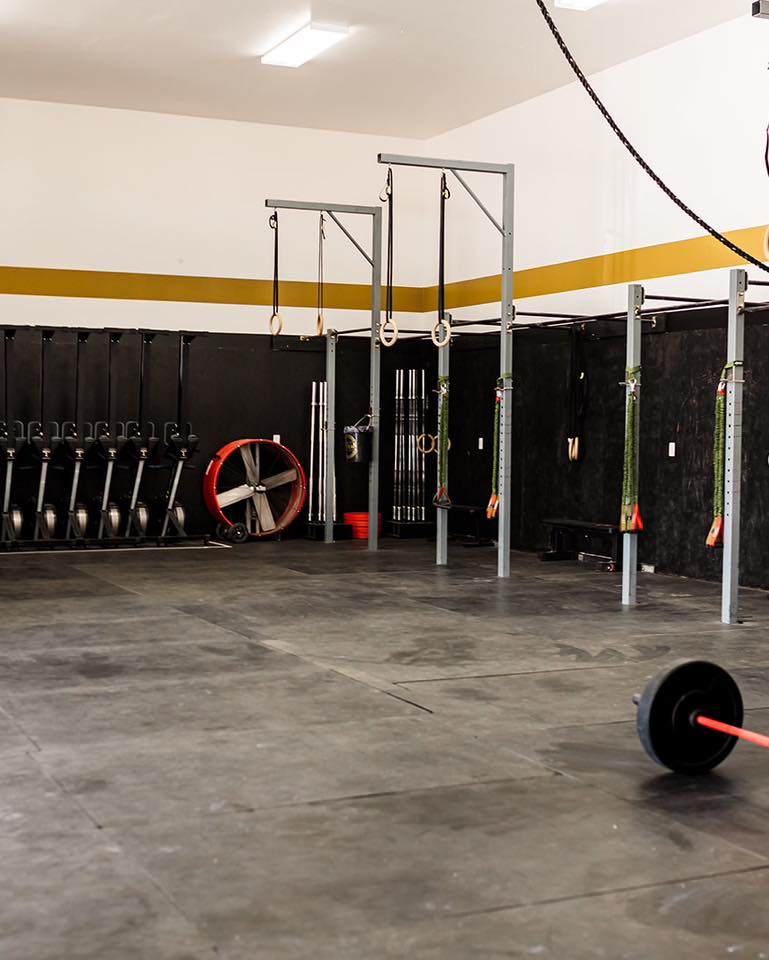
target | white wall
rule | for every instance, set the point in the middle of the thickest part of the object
(102, 189)
(698, 112)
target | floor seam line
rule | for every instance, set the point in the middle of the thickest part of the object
(524, 673)
(597, 894)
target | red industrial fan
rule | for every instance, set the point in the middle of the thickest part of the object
(258, 485)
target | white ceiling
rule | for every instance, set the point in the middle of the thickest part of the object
(411, 68)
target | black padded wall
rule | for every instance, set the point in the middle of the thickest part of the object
(680, 373)
(237, 386)
(252, 385)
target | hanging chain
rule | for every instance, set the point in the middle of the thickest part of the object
(441, 331)
(275, 275)
(276, 321)
(388, 328)
(445, 194)
(766, 152)
(321, 323)
(390, 236)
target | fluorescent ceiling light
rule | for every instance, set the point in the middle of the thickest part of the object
(578, 4)
(304, 45)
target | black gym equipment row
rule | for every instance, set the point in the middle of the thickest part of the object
(78, 439)
(180, 443)
(143, 444)
(85, 455)
(111, 440)
(12, 441)
(45, 439)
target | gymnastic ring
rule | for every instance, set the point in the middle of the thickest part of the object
(383, 339)
(276, 324)
(421, 445)
(320, 325)
(435, 333)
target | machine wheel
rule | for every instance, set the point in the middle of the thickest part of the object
(179, 514)
(142, 518)
(257, 483)
(48, 519)
(237, 533)
(16, 521)
(79, 521)
(112, 520)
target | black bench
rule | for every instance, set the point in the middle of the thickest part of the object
(581, 540)
(476, 514)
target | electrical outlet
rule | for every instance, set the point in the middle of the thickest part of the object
(647, 568)
(671, 449)
(480, 443)
(276, 438)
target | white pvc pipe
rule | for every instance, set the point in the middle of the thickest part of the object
(313, 404)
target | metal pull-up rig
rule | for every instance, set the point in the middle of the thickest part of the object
(505, 229)
(333, 211)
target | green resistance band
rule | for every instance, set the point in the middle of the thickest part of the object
(630, 517)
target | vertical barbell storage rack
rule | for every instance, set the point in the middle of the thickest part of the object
(334, 211)
(507, 172)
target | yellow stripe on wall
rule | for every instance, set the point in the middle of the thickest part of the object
(645, 263)
(89, 284)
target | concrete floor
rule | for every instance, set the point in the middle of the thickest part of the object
(299, 752)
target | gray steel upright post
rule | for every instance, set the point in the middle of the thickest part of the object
(374, 380)
(442, 518)
(506, 374)
(630, 540)
(330, 428)
(735, 355)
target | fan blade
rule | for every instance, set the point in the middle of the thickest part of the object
(263, 511)
(288, 476)
(235, 495)
(257, 524)
(252, 523)
(252, 473)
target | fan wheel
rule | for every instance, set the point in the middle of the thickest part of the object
(258, 483)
